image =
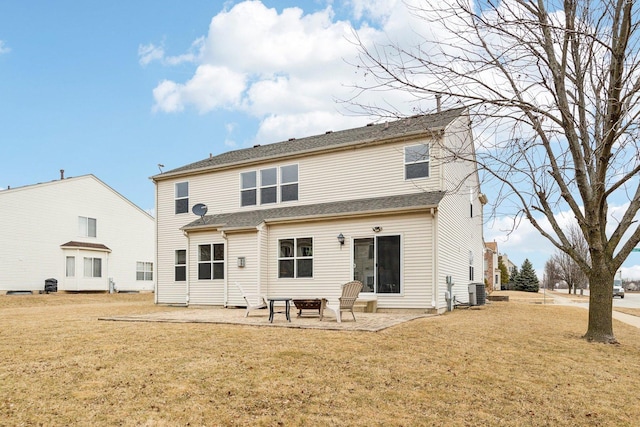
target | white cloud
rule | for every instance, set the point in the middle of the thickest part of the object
(149, 53)
(211, 87)
(283, 67)
(4, 48)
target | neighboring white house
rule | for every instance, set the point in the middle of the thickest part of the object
(78, 231)
(387, 204)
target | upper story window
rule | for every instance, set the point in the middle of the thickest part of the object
(266, 181)
(416, 161)
(181, 265)
(144, 270)
(289, 183)
(268, 186)
(182, 197)
(248, 188)
(295, 257)
(87, 227)
(211, 262)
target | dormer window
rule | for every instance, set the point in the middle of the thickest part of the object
(416, 161)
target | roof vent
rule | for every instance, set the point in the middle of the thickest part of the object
(256, 146)
(210, 155)
(369, 124)
(292, 139)
(328, 132)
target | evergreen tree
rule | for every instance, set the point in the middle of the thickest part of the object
(527, 279)
(513, 279)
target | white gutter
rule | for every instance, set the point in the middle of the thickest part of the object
(188, 267)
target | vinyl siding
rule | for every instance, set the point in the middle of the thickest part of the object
(333, 264)
(431, 248)
(458, 232)
(242, 245)
(31, 250)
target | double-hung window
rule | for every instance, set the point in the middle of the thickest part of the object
(262, 186)
(92, 267)
(416, 161)
(144, 270)
(248, 188)
(71, 266)
(180, 266)
(295, 257)
(182, 197)
(288, 183)
(211, 262)
(87, 227)
(268, 186)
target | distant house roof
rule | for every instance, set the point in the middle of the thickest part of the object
(251, 219)
(411, 126)
(85, 245)
(493, 246)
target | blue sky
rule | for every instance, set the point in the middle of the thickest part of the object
(115, 88)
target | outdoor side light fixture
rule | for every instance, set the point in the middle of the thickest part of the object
(377, 229)
(341, 239)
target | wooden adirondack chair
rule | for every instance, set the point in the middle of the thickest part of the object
(350, 292)
(254, 301)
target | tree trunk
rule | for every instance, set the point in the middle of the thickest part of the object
(600, 327)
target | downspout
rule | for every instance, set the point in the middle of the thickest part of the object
(434, 267)
(188, 288)
(226, 270)
(107, 271)
(261, 235)
(155, 265)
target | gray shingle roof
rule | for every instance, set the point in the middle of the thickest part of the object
(372, 133)
(250, 219)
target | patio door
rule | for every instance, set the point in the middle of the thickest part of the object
(376, 263)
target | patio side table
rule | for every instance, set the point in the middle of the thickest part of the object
(287, 305)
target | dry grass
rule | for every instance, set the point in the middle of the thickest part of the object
(507, 364)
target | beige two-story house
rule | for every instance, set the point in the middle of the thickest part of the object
(393, 205)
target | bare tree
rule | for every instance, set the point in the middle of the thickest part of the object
(553, 87)
(551, 274)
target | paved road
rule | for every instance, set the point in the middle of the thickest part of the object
(630, 300)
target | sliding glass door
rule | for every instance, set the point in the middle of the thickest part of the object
(376, 263)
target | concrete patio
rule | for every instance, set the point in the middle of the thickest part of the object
(370, 322)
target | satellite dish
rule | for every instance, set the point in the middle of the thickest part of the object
(200, 209)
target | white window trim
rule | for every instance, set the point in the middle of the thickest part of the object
(426, 160)
(176, 198)
(295, 257)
